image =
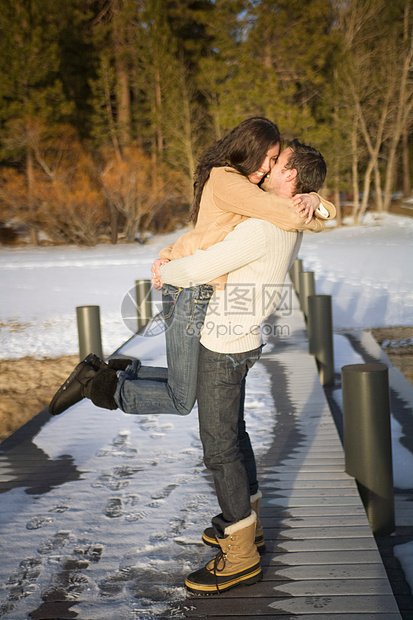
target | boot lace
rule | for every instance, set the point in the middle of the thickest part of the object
(219, 556)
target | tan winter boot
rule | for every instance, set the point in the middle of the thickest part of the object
(209, 538)
(237, 563)
(259, 531)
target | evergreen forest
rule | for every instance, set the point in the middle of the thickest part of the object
(107, 105)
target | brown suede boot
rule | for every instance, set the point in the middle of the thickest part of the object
(237, 563)
(71, 391)
(82, 383)
(102, 388)
(209, 538)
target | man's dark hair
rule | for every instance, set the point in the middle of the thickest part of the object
(310, 165)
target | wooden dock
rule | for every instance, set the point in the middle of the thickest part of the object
(322, 562)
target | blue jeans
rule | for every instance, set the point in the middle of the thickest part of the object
(227, 449)
(152, 389)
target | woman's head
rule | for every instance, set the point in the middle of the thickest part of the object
(246, 147)
(251, 148)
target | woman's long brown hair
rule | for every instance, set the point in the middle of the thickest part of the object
(244, 149)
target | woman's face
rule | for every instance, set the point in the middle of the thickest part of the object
(267, 165)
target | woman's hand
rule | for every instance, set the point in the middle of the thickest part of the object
(306, 205)
(156, 272)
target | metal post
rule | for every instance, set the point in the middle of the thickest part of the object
(320, 336)
(89, 332)
(307, 288)
(367, 440)
(143, 292)
(295, 270)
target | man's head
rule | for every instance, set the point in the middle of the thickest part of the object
(299, 169)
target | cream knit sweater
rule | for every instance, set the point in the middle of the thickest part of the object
(257, 255)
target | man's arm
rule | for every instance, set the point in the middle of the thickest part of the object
(246, 243)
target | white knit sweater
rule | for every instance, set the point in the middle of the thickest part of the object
(257, 256)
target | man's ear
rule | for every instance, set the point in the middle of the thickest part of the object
(291, 175)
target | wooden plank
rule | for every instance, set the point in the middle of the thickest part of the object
(312, 491)
(338, 587)
(305, 480)
(322, 544)
(220, 606)
(335, 534)
(316, 521)
(342, 486)
(326, 557)
(312, 501)
(378, 603)
(312, 511)
(294, 466)
(321, 571)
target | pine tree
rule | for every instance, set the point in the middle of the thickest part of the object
(286, 56)
(32, 99)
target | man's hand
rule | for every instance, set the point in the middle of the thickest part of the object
(156, 272)
(306, 205)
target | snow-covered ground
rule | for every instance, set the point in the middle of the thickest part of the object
(41, 288)
(367, 270)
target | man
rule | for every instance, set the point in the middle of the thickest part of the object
(260, 253)
(256, 251)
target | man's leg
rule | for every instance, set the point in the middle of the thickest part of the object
(220, 379)
(208, 535)
(245, 445)
(251, 469)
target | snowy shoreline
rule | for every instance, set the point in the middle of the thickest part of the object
(366, 269)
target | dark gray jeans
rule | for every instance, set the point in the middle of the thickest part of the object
(227, 448)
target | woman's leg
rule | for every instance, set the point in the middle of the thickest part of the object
(172, 390)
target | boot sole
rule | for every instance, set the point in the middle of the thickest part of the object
(248, 579)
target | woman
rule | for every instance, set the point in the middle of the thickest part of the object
(234, 166)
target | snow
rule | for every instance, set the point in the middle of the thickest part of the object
(367, 270)
(40, 290)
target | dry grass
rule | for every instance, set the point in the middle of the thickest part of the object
(27, 386)
(401, 355)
